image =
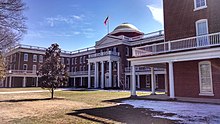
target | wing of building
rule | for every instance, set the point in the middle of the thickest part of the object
(184, 61)
(191, 51)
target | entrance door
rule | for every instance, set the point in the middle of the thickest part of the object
(202, 32)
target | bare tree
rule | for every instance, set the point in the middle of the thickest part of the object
(12, 22)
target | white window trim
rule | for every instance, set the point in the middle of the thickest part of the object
(205, 93)
(41, 58)
(34, 56)
(26, 54)
(199, 8)
(199, 21)
(35, 68)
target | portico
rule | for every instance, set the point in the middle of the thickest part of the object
(107, 67)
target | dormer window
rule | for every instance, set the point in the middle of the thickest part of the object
(200, 4)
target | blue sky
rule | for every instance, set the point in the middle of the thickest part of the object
(75, 24)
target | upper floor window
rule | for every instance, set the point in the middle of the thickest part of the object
(41, 58)
(62, 60)
(201, 32)
(199, 4)
(84, 59)
(127, 51)
(72, 61)
(81, 60)
(34, 58)
(25, 57)
(75, 60)
(68, 61)
(205, 76)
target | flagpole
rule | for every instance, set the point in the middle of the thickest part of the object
(108, 25)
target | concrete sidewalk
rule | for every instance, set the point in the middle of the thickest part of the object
(31, 91)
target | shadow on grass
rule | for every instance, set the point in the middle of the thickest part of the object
(31, 100)
(120, 113)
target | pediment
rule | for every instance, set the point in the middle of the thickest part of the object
(108, 39)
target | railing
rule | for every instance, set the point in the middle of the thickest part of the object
(142, 69)
(43, 49)
(107, 53)
(21, 72)
(178, 45)
(81, 73)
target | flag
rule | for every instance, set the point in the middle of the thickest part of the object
(105, 22)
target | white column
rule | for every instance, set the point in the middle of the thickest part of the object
(10, 81)
(103, 75)
(118, 72)
(97, 79)
(81, 81)
(133, 82)
(24, 82)
(138, 79)
(74, 81)
(152, 81)
(110, 74)
(171, 80)
(89, 75)
(95, 76)
(37, 82)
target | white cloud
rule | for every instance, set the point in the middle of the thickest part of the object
(157, 13)
(64, 19)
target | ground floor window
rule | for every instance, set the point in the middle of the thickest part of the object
(205, 76)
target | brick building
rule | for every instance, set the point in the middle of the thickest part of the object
(191, 51)
(103, 66)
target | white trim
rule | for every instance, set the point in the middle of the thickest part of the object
(34, 58)
(26, 58)
(201, 7)
(200, 21)
(200, 79)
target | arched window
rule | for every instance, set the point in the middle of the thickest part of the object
(205, 78)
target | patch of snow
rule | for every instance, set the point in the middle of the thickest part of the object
(184, 112)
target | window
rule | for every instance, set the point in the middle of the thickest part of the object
(84, 59)
(14, 58)
(115, 49)
(68, 61)
(81, 60)
(84, 68)
(72, 61)
(25, 57)
(201, 32)
(75, 69)
(25, 67)
(34, 68)
(34, 58)
(41, 59)
(62, 60)
(205, 78)
(75, 60)
(11, 59)
(67, 69)
(127, 51)
(199, 4)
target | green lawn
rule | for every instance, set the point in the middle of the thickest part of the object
(69, 107)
